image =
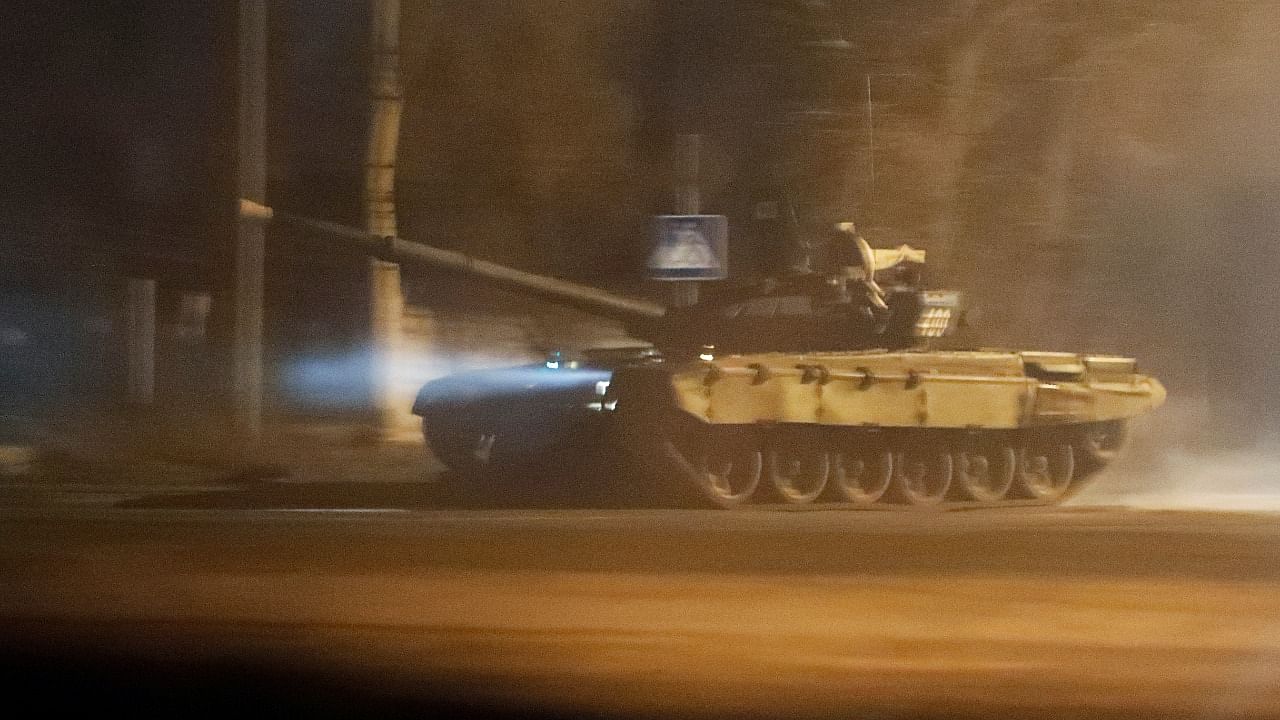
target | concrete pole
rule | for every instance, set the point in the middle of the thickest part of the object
(141, 340)
(386, 308)
(688, 202)
(251, 184)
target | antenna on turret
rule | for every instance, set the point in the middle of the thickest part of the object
(871, 135)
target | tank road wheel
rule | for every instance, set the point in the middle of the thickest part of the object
(798, 470)
(862, 475)
(1045, 471)
(985, 474)
(728, 474)
(922, 476)
(463, 449)
(1100, 443)
(721, 465)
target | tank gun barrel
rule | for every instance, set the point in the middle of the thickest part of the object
(398, 250)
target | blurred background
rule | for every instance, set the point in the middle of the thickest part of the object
(1098, 176)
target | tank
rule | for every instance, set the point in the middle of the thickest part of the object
(824, 385)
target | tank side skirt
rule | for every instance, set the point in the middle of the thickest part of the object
(735, 394)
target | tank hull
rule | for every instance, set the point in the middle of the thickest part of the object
(924, 428)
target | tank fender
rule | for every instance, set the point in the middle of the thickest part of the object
(642, 393)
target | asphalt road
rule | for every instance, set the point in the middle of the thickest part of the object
(1080, 612)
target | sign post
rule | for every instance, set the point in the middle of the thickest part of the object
(251, 184)
(688, 202)
(690, 247)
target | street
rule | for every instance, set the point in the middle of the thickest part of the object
(1026, 612)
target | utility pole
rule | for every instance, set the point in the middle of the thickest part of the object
(688, 202)
(141, 333)
(386, 300)
(251, 184)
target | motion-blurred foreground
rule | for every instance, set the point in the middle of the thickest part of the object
(1009, 613)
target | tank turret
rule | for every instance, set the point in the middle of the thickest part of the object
(859, 299)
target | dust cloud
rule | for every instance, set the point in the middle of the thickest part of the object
(1115, 187)
(1169, 464)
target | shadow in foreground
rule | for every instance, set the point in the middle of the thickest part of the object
(57, 681)
(87, 673)
(530, 488)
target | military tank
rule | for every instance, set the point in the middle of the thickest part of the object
(818, 385)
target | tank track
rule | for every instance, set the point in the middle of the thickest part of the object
(783, 467)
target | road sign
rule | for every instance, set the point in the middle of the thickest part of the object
(690, 247)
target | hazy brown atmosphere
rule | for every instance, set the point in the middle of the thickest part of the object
(1098, 175)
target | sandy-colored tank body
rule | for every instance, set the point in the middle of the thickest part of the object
(919, 427)
(971, 390)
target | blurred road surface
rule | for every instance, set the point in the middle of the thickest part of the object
(1082, 612)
